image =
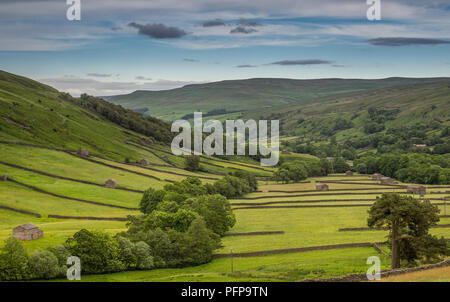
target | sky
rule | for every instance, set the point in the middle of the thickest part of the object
(121, 46)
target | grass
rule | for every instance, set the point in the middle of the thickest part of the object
(19, 197)
(56, 231)
(433, 275)
(286, 267)
(63, 164)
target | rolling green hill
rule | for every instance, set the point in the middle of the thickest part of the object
(417, 114)
(245, 97)
(35, 113)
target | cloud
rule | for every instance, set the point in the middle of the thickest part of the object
(142, 78)
(217, 22)
(242, 30)
(248, 23)
(158, 31)
(99, 75)
(246, 66)
(302, 62)
(189, 60)
(77, 85)
(405, 41)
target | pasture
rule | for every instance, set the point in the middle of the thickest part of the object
(50, 182)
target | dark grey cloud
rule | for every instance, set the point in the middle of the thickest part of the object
(117, 28)
(248, 23)
(142, 78)
(99, 75)
(242, 30)
(405, 41)
(189, 60)
(158, 31)
(301, 62)
(246, 66)
(212, 23)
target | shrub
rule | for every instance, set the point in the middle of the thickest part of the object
(44, 265)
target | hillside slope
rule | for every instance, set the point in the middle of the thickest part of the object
(244, 97)
(424, 106)
(35, 113)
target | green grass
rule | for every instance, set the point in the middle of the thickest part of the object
(63, 164)
(284, 267)
(19, 197)
(56, 231)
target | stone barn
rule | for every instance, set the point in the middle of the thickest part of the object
(416, 189)
(321, 187)
(27, 232)
(348, 173)
(83, 152)
(4, 177)
(165, 158)
(144, 162)
(377, 176)
(111, 183)
(386, 181)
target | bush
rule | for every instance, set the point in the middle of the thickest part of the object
(44, 265)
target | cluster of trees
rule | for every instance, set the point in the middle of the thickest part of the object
(409, 221)
(295, 171)
(410, 167)
(126, 118)
(184, 221)
(99, 253)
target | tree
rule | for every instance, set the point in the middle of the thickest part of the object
(13, 261)
(98, 252)
(407, 219)
(126, 252)
(215, 210)
(340, 165)
(142, 252)
(150, 200)
(192, 163)
(44, 265)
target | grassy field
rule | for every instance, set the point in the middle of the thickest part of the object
(432, 275)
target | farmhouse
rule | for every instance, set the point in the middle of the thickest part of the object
(144, 162)
(321, 187)
(83, 152)
(386, 181)
(416, 189)
(27, 232)
(349, 173)
(111, 183)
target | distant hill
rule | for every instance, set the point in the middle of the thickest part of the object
(245, 97)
